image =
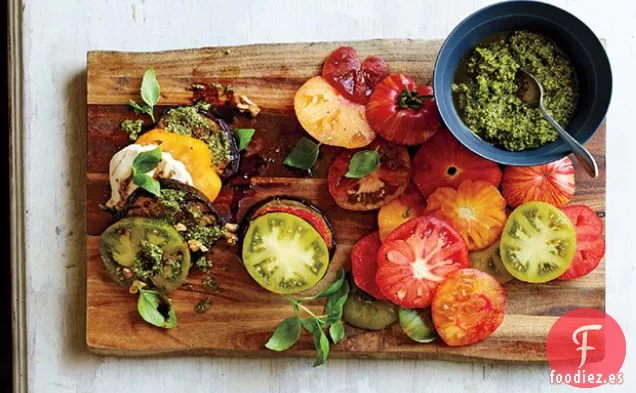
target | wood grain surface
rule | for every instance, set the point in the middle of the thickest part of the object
(242, 315)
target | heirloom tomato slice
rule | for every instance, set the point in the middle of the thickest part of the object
(354, 79)
(552, 183)
(443, 162)
(364, 264)
(386, 183)
(400, 210)
(416, 257)
(403, 112)
(468, 307)
(590, 242)
(329, 117)
(476, 209)
(538, 242)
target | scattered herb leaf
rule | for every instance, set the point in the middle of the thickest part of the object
(417, 325)
(303, 155)
(362, 163)
(156, 309)
(149, 93)
(340, 278)
(143, 163)
(335, 303)
(285, 335)
(310, 324)
(243, 137)
(336, 332)
(322, 347)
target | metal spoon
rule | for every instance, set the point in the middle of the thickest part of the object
(533, 96)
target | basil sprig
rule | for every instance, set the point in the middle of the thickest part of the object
(156, 309)
(143, 163)
(149, 94)
(303, 155)
(362, 163)
(288, 331)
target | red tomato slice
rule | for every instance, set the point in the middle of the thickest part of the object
(376, 189)
(443, 162)
(590, 242)
(403, 112)
(468, 307)
(364, 264)
(354, 79)
(416, 257)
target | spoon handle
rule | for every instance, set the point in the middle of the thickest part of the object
(581, 153)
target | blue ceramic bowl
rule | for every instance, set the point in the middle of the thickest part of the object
(569, 33)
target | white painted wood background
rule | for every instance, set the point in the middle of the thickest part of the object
(56, 36)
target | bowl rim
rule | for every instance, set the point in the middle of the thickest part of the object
(528, 160)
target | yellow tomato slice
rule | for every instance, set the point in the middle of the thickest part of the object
(193, 153)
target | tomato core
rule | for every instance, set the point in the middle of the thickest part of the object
(410, 100)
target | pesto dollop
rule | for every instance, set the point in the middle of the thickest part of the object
(488, 100)
(133, 128)
(184, 120)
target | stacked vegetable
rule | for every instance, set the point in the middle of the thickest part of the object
(447, 241)
(162, 189)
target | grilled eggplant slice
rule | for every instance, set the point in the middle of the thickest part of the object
(189, 120)
(183, 207)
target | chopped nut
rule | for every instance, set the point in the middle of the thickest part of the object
(180, 227)
(244, 104)
(127, 273)
(230, 227)
(196, 245)
(230, 238)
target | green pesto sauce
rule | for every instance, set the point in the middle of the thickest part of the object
(206, 235)
(133, 128)
(488, 102)
(186, 120)
(148, 262)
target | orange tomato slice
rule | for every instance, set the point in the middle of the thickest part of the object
(468, 307)
(409, 205)
(476, 210)
(193, 153)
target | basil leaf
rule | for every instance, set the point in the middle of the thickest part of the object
(156, 309)
(362, 163)
(336, 332)
(309, 324)
(417, 325)
(147, 183)
(322, 347)
(150, 87)
(285, 335)
(139, 109)
(303, 155)
(243, 137)
(147, 160)
(335, 303)
(334, 285)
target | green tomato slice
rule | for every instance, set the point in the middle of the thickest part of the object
(365, 312)
(147, 250)
(284, 253)
(489, 261)
(538, 242)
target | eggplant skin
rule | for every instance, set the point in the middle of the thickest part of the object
(308, 206)
(141, 203)
(214, 125)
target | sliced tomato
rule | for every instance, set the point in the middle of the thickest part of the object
(468, 307)
(352, 78)
(376, 189)
(476, 209)
(590, 242)
(552, 183)
(329, 117)
(395, 213)
(416, 257)
(444, 162)
(402, 111)
(364, 264)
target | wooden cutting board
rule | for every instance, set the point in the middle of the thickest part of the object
(242, 316)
